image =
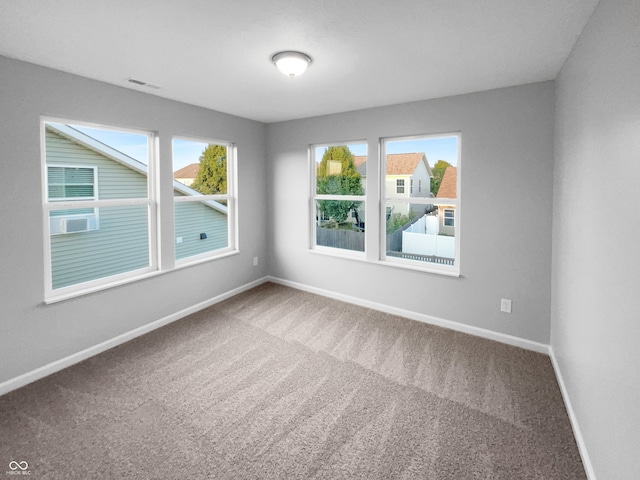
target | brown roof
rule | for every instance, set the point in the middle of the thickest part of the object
(190, 171)
(403, 163)
(448, 185)
(359, 160)
(397, 163)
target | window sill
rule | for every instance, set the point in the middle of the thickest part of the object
(206, 257)
(64, 294)
(360, 257)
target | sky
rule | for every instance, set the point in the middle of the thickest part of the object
(435, 148)
(135, 145)
(186, 151)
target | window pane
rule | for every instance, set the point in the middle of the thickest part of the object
(341, 169)
(419, 237)
(200, 227)
(421, 232)
(340, 224)
(98, 244)
(200, 166)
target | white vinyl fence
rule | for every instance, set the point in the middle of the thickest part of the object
(422, 238)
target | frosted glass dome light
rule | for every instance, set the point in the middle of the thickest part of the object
(291, 64)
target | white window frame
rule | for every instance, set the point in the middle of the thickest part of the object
(58, 294)
(386, 199)
(400, 186)
(230, 197)
(315, 197)
(152, 203)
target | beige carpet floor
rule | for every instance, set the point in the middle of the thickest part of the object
(276, 383)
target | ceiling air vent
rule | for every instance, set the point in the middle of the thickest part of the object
(142, 84)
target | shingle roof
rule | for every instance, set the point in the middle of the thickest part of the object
(190, 171)
(359, 160)
(448, 185)
(397, 163)
(403, 163)
(360, 163)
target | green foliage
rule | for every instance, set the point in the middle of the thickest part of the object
(337, 175)
(441, 165)
(395, 221)
(438, 172)
(212, 174)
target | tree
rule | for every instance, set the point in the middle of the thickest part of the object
(212, 174)
(396, 221)
(337, 175)
(438, 173)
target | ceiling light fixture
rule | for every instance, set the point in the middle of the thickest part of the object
(291, 63)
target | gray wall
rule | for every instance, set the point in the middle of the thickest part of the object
(32, 334)
(507, 162)
(595, 327)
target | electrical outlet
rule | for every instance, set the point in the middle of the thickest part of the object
(505, 305)
(255, 261)
(178, 240)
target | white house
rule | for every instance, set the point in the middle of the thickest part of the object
(408, 175)
(187, 175)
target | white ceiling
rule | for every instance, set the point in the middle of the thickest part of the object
(366, 53)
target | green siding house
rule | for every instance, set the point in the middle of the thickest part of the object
(92, 243)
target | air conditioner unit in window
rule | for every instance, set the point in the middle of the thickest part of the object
(73, 225)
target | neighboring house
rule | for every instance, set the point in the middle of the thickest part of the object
(360, 162)
(431, 235)
(187, 175)
(447, 213)
(408, 175)
(81, 168)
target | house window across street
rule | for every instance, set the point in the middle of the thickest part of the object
(72, 184)
(449, 218)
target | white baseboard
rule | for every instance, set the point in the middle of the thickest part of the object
(420, 317)
(58, 365)
(577, 433)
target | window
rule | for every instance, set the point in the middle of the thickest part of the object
(68, 184)
(449, 218)
(204, 210)
(87, 177)
(416, 235)
(417, 231)
(101, 200)
(338, 196)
